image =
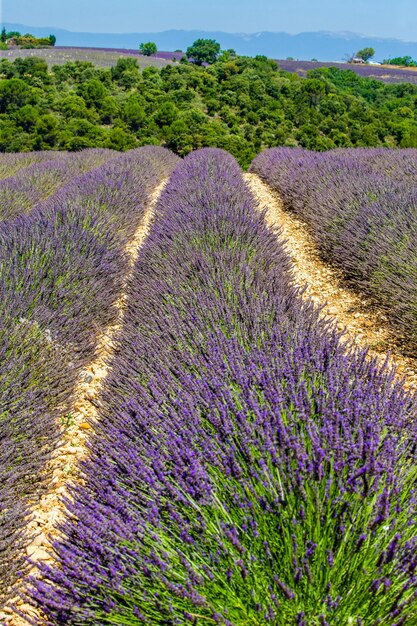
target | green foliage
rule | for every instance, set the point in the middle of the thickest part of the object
(14, 94)
(148, 49)
(241, 104)
(73, 106)
(32, 70)
(68, 420)
(405, 61)
(365, 54)
(119, 139)
(204, 51)
(46, 132)
(133, 112)
(93, 92)
(26, 41)
(125, 67)
(27, 117)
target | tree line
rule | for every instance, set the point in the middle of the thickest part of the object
(241, 104)
(16, 39)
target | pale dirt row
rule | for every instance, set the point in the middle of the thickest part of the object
(363, 325)
(49, 511)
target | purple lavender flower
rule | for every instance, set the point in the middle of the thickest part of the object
(238, 442)
(361, 208)
(61, 269)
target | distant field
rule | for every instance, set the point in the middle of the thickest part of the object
(385, 73)
(107, 57)
(101, 57)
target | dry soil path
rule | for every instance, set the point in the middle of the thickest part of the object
(363, 325)
(49, 511)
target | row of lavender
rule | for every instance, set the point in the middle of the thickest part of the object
(385, 73)
(361, 207)
(245, 470)
(11, 164)
(37, 181)
(61, 270)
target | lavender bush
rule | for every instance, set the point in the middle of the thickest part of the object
(61, 270)
(33, 184)
(246, 469)
(361, 207)
(11, 164)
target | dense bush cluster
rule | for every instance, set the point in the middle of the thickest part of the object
(12, 39)
(246, 470)
(61, 270)
(240, 104)
(361, 207)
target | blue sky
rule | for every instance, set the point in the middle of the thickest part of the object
(384, 18)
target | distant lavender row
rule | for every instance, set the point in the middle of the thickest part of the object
(384, 73)
(361, 207)
(168, 56)
(20, 193)
(11, 164)
(245, 470)
(101, 57)
(61, 270)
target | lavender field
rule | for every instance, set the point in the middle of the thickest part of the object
(246, 465)
(361, 207)
(61, 270)
(100, 57)
(384, 73)
(108, 57)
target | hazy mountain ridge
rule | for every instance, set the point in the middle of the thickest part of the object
(323, 45)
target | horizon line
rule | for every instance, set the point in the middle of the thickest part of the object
(188, 30)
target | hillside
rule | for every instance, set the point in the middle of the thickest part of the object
(240, 104)
(101, 57)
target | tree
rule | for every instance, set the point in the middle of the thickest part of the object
(133, 113)
(365, 54)
(313, 90)
(27, 117)
(93, 91)
(148, 49)
(124, 64)
(52, 39)
(3, 36)
(119, 139)
(227, 55)
(204, 51)
(166, 114)
(406, 61)
(46, 132)
(15, 94)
